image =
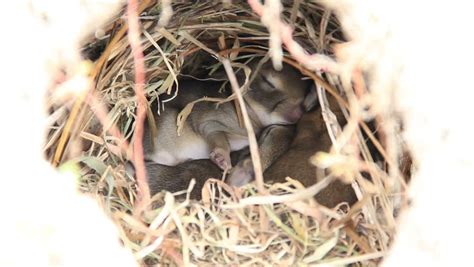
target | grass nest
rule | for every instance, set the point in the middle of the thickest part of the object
(218, 229)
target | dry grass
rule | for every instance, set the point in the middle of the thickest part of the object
(242, 228)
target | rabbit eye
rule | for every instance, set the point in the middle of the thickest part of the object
(268, 82)
(278, 103)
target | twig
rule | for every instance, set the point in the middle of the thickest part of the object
(302, 194)
(271, 14)
(257, 165)
(166, 13)
(331, 122)
(353, 259)
(317, 62)
(143, 197)
(64, 138)
(100, 112)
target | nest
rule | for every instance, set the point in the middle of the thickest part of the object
(272, 230)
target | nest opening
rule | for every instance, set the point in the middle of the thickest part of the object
(229, 226)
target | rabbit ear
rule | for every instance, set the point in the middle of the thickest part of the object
(311, 99)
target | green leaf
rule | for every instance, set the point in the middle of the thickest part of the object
(93, 163)
(322, 250)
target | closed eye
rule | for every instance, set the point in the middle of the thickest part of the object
(277, 103)
(268, 82)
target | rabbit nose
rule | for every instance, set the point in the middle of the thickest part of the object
(295, 114)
